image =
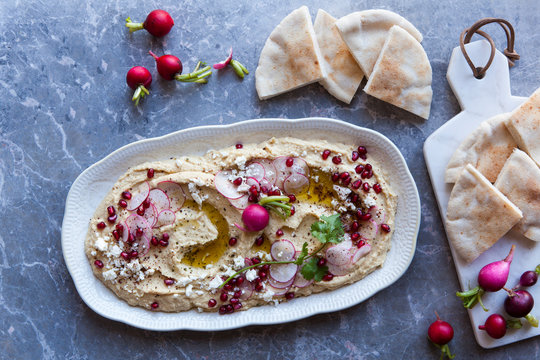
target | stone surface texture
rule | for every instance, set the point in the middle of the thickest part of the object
(65, 105)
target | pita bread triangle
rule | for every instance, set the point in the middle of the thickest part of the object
(290, 58)
(478, 214)
(402, 74)
(519, 180)
(365, 32)
(524, 125)
(486, 148)
(344, 75)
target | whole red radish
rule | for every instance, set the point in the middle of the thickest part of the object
(495, 326)
(255, 217)
(157, 23)
(139, 79)
(167, 65)
(491, 278)
(440, 333)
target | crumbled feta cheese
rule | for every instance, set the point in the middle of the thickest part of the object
(316, 178)
(101, 244)
(342, 192)
(93, 253)
(215, 283)
(189, 290)
(251, 274)
(239, 262)
(268, 257)
(199, 292)
(369, 201)
(150, 272)
(268, 295)
(240, 162)
(115, 251)
(183, 281)
(304, 153)
(209, 266)
(109, 274)
(229, 272)
(134, 266)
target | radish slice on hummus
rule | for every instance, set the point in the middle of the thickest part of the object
(270, 173)
(151, 215)
(295, 183)
(277, 291)
(360, 253)
(283, 272)
(159, 199)
(144, 245)
(225, 186)
(338, 270)
(255, 170)
(134, 222)
(300, 281)
(247, 290)
(138, 196)
(174, 191)
(280, 285)
(165, 217)
(241, 203)
(369, 229)
(282, 250)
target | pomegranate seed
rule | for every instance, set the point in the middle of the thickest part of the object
(360, 244)
(262, 275)
(124, 255)
(139, 232)
(239, 281)
(228, 287)
(111, 211)
(265, 267)
(258, 287)
(239, 146)
(355, 236)
(356, 184)
(321, 262)
(365, 217)
(165, 236)
(325, 154)
(222, 310)
(150, 173)
(253, 190)
(163, 243)
(359, 169)
(355, 226)
(130, 238)
(237, 181)
(370, 174)
(289, 296)
(335, 177)
(237, 306)
(154, 305)
(264, 189)
(362, 150)
(126, 195)
(279, 232)
(275, 192)
(355, 155)
(237, 294)
(140, 210)
(289, 162)
(354, 198)
(336, 160)
(133, 254)
(101, 225)
(328, 277)
(232, 241)
(115, 234)
(364, 174)
(293, 210)
(259, 241)
(212, 303)
(112, 219)
(368, 167)
(344, 175)
(169, 282)
(234, 301)
(347, 181)
(365, 187)
(119, 227)
(230, 308)
(146, 203)
(122, 203)
(98, 264)
(258, 280)
(255, 260)
(223, 297)
(385, 227)
(252, 198)
(292, 198)
(233, 282)
(154, 241)
(377, 188)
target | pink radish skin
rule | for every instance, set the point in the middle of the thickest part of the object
(167, 65)
(225, 187)
(283, 273)
(276, 291)
(255, 217)
(493, 276)
(165, 217)
(151, 215)
(300, 281)
(174, 192)
(495, 326)
(223, 64)
(138, 196)
(159, 199)
(283, 250)
(280, 285)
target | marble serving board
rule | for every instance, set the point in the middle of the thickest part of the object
(480, 100)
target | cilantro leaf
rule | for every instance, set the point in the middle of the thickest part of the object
(302, 255)
(311, 270)
(328, 229)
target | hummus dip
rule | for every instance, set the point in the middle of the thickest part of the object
(170, 232)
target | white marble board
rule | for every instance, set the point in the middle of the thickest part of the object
(480, 100)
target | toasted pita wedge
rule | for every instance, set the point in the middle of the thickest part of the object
(402, 74)
(344, 74)
(524, 125)
(486, 148)
(365, 32)
(478, 214)
(519, 180)
(290, 58)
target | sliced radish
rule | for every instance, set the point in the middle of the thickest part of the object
(283, 272)
(174, 191)
(151, 215)
(159, 199)
(300, 166)
(165, 217)
(225, 186)
(377, 214)
(125, 233)
(338, 270)
(339, 255)
(270, 172)
(223, 64)
(369, 229)
(138, 196)
(144, 245)
(295, 183)
(251, 181)
(266, 183)
(300, 281)
(241, 203)
(134, 222)
(280, 285)
(247, 290)
(255, 170)
(360, 253)
(282, 250)
(276, 291)
(283, 171)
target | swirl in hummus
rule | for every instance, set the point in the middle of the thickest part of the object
(164, 238)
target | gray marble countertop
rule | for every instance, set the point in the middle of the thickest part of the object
(65, 105)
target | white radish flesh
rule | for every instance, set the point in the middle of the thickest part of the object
(144, 245)
(134, 222)
(175, 193)
(159, 199)
(151, 215)
(225, 186)
(165, 217)
(138, 196)
(283, 272)
(247, 290)
(255, 170)
(360, 253)
(338, 270)
(276, 291)
(282, 250)
(280, 285)
(369, 229)
(241, 203)
(270, 173)
(300, 281)
(295, 183)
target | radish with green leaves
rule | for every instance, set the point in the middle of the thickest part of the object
(170, 68)
(157, 23)
(519, 304)
(139, 79)
(440, 333)
(491, 278)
